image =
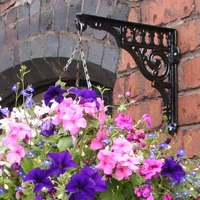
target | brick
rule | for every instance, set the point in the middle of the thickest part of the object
(34, 24)
(6, 5)
(191, 74)
(16, 58)
(75, 7)
(11, 34)
(118, 90)
(140, 87)
(121, 12)
(66, 46)
(189, 109)
(126, 61)
(189, 40)
(191, 142)
(110, 59)
(169, 11)
(23, 11)
(38, 48)
(51, 46)
(134, 15)
(6, 61)
(23, 29)
(60, 17)
(153, 108)
(34, 7)
(25, 51)
(197, 6)
(11, 16)
(46, 21)
(96, 53)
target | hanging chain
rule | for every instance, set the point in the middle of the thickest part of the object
(79, 49)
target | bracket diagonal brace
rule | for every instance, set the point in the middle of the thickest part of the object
(155, 52)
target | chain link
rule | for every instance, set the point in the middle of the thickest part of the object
(79, 50)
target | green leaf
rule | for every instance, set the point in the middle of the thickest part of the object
(26, 164)
(136, 180)
(106, 195)
(119, 197)
(64, 143)
(93, 122)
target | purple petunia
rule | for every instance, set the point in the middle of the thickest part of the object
(60, 163)
(47, 128)
(86, 184)
(54, 92)
(85, 95)
(172, 169)
(40, 179)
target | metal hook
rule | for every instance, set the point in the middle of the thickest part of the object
(80, 26)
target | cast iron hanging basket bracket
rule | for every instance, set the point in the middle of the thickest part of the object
(155, 52)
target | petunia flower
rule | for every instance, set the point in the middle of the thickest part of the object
(172, 169)
(124, 122)
(97, 143)
(40, 179)
(60, 162)
(85, 95)
(96, 178)
(54, 92)
(47, 128)
(151, 168)
(80, 187)
(146, 118)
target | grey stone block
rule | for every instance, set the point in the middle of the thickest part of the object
(34, 24)
(46, 3)
(11, 16)
(16, 59)
(35, 7)
(60, 17)
(90, 7)
(23, 29)
(96, 53)
(110, 59)
(38, 45)
(23, 11)
(6, 61)
(106, 8)
(46, 21)
(100, 34)
(51, 46)
(66, 46)
(2, 39)
(75, 7)
(121, 12)
(11, 34)
(25, 51)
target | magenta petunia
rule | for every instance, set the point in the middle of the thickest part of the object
(124, 122)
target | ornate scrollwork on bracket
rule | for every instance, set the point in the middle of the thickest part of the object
(155, 52)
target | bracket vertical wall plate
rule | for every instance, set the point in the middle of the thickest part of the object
(155, 52)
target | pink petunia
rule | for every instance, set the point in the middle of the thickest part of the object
(151, 168)
(124, 122)
(145, 192)
(96, 143)
(122, 172)
(122, 146)
(61, 109)
(107, 162)
(168, 197)
(73, 121)
(146, 118)
(15, 154)
(128, 161)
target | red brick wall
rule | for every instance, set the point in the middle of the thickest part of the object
(184, 16)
